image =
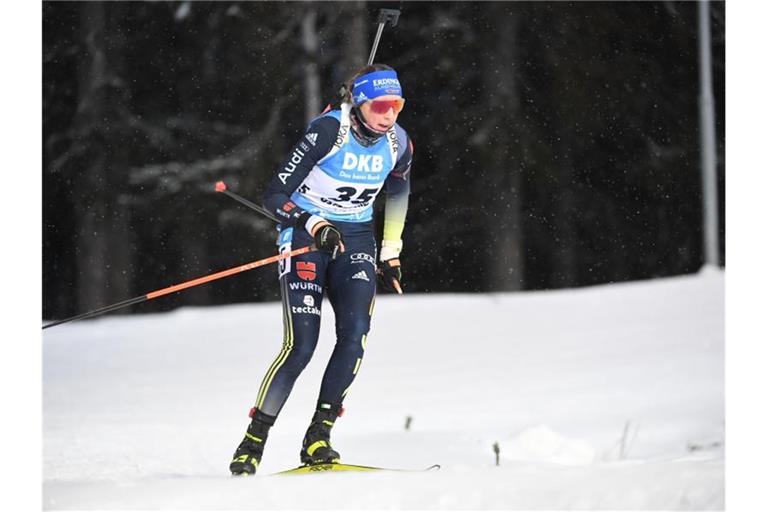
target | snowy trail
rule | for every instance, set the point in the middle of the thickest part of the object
(144, 412)
(663, 485)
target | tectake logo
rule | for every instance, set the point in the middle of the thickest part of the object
(363, 163)
(309, 300)
(309, 310)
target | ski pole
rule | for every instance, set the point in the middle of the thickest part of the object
(222, 187)
(185, 285)
(385, 15)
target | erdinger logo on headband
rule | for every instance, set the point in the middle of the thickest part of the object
(378, 83)
(386, 82)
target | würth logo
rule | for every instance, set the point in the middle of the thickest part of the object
(306, 270)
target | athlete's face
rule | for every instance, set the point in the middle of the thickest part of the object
(379, 115)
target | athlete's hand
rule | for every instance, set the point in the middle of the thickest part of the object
(390, 275)
(328, 238)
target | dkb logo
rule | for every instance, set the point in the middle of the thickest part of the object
(363, 163)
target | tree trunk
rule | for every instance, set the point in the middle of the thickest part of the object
(104, 245)
(506, 257)
(91, 272)
(565, 273)
(311, 43)
(354, 37)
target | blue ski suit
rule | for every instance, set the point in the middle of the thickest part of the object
(333, 175)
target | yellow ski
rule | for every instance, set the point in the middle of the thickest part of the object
(317, 468)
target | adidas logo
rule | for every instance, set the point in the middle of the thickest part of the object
(361, 275)
(312, 138)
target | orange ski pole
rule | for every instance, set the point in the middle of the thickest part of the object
(185, 285)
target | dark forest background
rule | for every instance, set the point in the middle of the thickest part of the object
(556, 144)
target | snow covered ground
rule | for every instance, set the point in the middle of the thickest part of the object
(609, 397)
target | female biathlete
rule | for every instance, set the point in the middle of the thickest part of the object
(324, 194)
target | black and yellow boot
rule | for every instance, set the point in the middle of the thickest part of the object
(248, 454)
(316, 447)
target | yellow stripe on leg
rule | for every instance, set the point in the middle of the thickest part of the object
(284, 352)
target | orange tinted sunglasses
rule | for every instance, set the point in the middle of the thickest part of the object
(383, 106)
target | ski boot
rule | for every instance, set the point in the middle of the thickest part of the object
(248, 454)
(316, 447)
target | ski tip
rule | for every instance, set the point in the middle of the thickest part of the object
(220, 186)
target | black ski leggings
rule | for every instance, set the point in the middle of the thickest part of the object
(349, 281)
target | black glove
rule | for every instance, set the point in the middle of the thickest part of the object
(328, 239)
(390, 275)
